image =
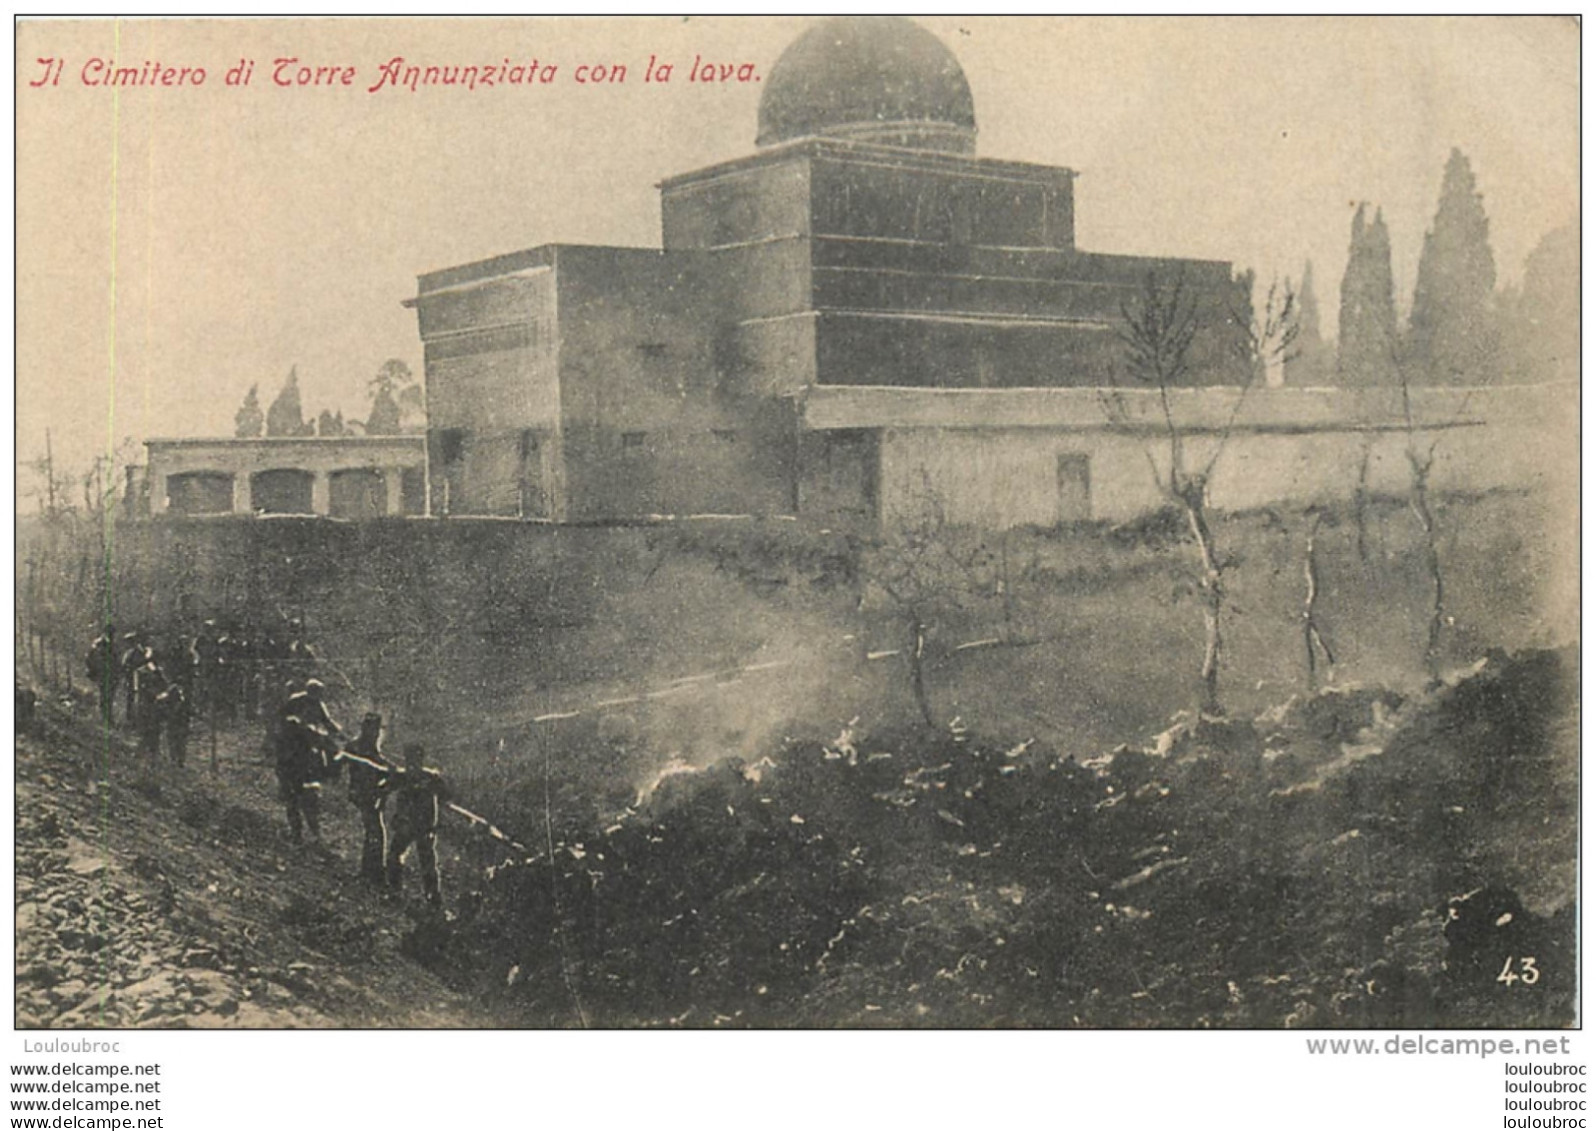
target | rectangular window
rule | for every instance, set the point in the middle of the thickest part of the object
(632, 441)
(725, 435)
(1074, 487)
(451, 445)
(413, 491)
(852, 466)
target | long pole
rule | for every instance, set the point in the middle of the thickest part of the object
(49, 473)
(35, 650)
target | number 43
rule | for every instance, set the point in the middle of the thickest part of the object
(1527, 972)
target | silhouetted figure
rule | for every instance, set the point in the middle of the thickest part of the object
(180, 661)
(207, 657)
(308, 707)
(149, 683)
(305, 746)
(103, 672)
(301, 763)
(174, 712)
(369, 777)
(134, 656)
(420, 794)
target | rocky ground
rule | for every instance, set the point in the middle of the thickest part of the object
(149, 897)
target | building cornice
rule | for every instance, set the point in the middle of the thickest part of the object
(819, 148)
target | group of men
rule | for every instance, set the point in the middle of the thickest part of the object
(158, 684)
(226, 669)
(309, 755)
(219, 668)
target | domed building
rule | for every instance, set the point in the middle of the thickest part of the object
(884, 81)
(859, 311)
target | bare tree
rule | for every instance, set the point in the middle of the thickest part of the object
(1360, 496)
(1313, 639)
(1419, 452)
(1421, 461)
(922, 569)
(68, 559)
(1157, 330)
(51, 490)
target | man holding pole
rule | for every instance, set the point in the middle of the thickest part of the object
(369, 777)
(421, 794)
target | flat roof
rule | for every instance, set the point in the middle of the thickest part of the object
(407, 440)
(824, 147)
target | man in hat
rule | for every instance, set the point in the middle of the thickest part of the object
(149, 683)
(173, 712)
(134, 656)
(369, 776)
(304, 746)
(102, 670)
(308, 707)
(277, 723)
(180, 662)
(420, 794)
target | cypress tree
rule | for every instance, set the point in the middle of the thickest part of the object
(1368, 342)
(1310, 363)
(387, 416)
(249, 420)
(1452, 334)
(285, 417)
(1540, 334)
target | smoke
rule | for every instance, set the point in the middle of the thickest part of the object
(785, 691)
(664, 661)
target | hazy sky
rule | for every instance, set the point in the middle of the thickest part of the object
(238, 231)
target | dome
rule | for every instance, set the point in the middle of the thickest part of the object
(877, 79)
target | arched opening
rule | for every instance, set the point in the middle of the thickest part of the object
(199, 492)
(357, 493)
(282, 491)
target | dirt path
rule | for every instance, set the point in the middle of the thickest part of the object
(147, 897)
